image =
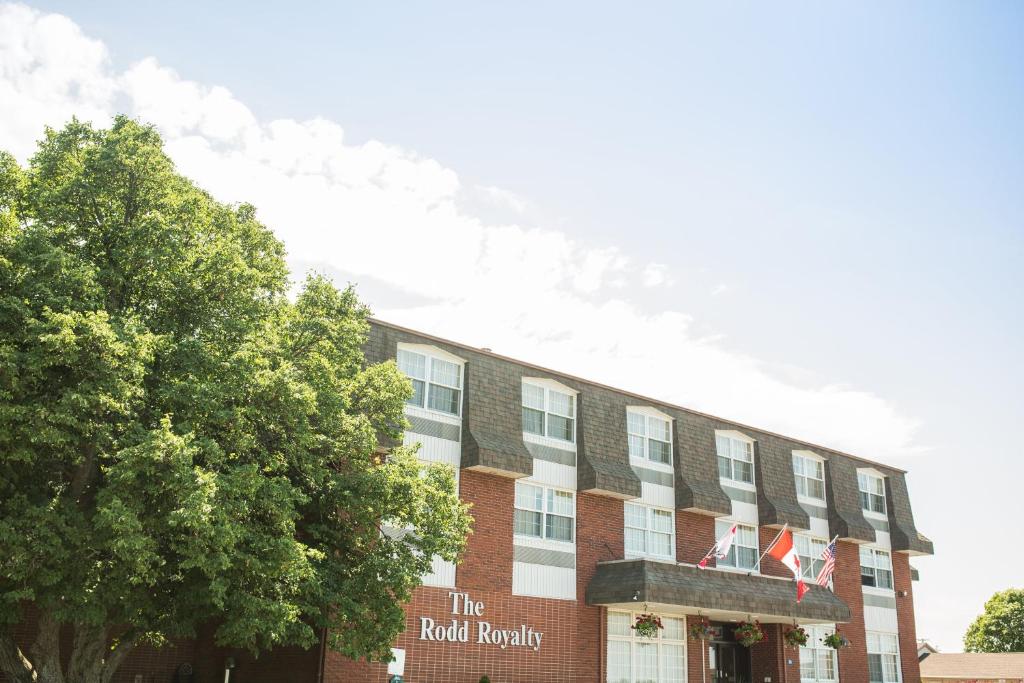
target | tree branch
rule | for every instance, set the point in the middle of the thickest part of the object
(116, 657)
(13, 662)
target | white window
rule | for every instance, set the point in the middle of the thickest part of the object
(872, 492)
(650, 437)
(436, 383)
(883, 658)
(744, 551)
(810, 476)
(875, 568)
(735, 459)
(817, 660)
(649, 531)
(809, 549)
(547, 412)
(632, 659)
(543, 512)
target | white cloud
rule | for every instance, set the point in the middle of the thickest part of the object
(656, 275)
(381, 211)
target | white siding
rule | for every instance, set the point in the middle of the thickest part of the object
(657, 495)
(745, 513)
(542, 581)
(553, 474)
(881, 619)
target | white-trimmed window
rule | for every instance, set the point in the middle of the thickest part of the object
(544, 512)
(735, 458)
(650, 437)
(809, 473)
(872, 492)
(650, 531)
(875, 568)
(547, 412)
(744, 551)
(883, 657)
(817, 660)
(809, 550)
(436, 382)
(633, 659)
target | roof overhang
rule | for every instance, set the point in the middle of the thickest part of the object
(684, 589)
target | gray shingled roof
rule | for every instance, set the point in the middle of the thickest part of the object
(688, 586)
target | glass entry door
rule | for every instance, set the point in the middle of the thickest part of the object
(730, 663)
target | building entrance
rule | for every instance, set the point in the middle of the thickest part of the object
(730, 660)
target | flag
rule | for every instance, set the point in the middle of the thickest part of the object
(721, 548)
(830, 565)
(784, 551)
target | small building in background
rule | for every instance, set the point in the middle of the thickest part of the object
(924, 648)
(973, 667)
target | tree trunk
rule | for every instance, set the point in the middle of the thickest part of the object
(45, 651)
(92, 659)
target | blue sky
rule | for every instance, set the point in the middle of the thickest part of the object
(804, 216)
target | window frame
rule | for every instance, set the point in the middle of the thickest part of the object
(547, 412)
(646, 437)
(805, 458)
(815, 646)
(547, 498)
(875, 568)
(810, 570)
(870, 496)
(878, 637)
(633, 640)
(649, 515)
(722, 525)
(428, 380)
(748, 443)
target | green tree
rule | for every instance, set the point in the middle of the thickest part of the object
(1000, 628)
(181, 443)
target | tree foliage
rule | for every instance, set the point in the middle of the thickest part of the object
(181, 443)
(1000, 628)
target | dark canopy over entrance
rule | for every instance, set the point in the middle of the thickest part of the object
(630, 581)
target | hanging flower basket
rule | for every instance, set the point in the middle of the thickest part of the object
(702, 630)
(647, 625)
(836, 640)
(795, 637)
(748, 634)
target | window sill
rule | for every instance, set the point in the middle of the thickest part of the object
(880, 516)
(654, 558)
(652, 465)
(544, 543)
(874, 590)
(431, 414)
(551, 441)
(737, 484)
(817, 502)
(735, 570)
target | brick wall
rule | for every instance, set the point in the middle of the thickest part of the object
(600, 527)
(853, 660)
(905, 617)
(695, 534)
(487, 560)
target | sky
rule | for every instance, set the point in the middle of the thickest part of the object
(802, 216)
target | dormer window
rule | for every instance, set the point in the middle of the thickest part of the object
(549, 412)
(872, 492)
(735, 458)
(436, 381)
(809, 473)
(650, 436)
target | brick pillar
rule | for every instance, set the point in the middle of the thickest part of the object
(768, 658)
(599, 536)
(905, 617)
(487, 561)
(695, 534)
(697, 670)
(853, 660)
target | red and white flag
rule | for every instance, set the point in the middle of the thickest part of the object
(784, 551)
(721, 548)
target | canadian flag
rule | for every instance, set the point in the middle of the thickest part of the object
(784, 551)
(721, 548)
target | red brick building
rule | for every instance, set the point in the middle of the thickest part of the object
(593, 505)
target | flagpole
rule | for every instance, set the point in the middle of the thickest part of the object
(771, 545)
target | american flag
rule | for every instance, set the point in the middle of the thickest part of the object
(830, 565)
